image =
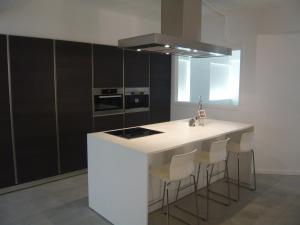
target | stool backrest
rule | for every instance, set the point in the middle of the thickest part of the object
(182, 165)
(218, 151)
(247, 142)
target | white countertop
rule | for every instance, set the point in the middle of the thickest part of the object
(176, 133)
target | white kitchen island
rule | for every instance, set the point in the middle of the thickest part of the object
(118, 167)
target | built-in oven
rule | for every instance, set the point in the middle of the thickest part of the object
(136, 99)
(108, 101)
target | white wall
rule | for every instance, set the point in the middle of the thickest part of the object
(96, 21)
(241, 29)
(106, 21)
(277, 103)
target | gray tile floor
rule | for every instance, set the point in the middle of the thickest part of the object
(65, 202)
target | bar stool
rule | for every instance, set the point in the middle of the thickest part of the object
(246, 145)
(182, 166)
(216, 154)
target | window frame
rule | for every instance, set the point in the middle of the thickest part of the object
(207, 105)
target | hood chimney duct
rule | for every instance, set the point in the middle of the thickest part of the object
(181, 18)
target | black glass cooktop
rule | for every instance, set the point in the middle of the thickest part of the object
(135, 132)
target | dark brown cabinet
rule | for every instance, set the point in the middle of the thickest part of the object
(137, 119)
(108, 66)
(74, 102)
(50, 101)
(160, 87)
(33, 103)
(136, 69)
(7, 177)
(110, 122)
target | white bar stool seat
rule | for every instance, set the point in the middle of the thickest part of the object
(181, 166)
(245, 145)
(162, 172)
(217, 153)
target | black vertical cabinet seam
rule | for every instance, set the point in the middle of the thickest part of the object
(160, 87)
(74, 102)
(7, 176)
(32, 86)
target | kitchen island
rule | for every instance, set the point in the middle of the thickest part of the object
(118, 179)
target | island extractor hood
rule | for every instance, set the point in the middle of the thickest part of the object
(180, 33)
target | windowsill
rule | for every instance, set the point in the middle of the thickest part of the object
(209, 106)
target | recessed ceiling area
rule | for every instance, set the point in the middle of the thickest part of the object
(227, 6)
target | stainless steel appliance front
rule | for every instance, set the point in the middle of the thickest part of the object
(136, 99)
(108, 101)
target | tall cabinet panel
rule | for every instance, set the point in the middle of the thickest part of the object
(160, 87)
(6, 154)
(74, 96)
(32, 80)
(111, 122)
(136, 69)
(108, 66)
(136, 119)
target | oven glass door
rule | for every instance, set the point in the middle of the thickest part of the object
(108, 102)
(136, 101)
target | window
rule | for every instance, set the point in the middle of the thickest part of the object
(216, 79)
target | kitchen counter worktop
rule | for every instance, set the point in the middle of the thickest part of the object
(118, 168)
(176, 133)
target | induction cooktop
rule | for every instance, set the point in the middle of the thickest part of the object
(134, 132)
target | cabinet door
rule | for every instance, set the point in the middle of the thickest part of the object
(111, 122)
(136, 69)
(108, 66)
(74, 102)
(33, 101)
(160, 87)
(137, 119)
(6, 154)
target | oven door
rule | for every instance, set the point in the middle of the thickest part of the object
(108, 104)
(136, 103)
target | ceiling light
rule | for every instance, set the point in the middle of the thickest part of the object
(215, 54)
(167, 53)
(167, 46)
(184, 49)
(139, 49)
(195, 50)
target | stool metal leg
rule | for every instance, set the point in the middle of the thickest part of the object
(178, 188)
(168, 208)
(238, 182)
(198, 174)
(207, 192)
(212, 169)
(226, 175)
(228, 185)
(196, 199)
(163, 198)
(209, 176)
(254, 172)
(196, 215)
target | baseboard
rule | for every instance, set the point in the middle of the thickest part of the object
(42, 181)
(278, 172)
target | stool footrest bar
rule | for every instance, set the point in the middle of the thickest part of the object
(222, 195)
(154, 202)
(242, 184)
(214, 200)
(190, 213)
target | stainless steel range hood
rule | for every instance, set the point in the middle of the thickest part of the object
(181, 33)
